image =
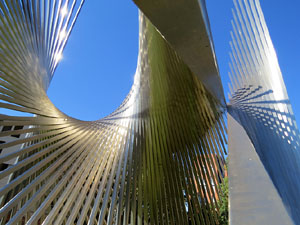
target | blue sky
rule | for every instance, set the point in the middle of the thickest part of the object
(99, 61)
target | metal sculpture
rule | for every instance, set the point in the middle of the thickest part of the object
(260, 103)
(157, 159)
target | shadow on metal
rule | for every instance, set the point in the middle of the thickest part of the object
(275, 137)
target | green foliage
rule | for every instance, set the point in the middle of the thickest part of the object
(223, 213)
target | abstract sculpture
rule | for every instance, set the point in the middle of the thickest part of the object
(159, 158)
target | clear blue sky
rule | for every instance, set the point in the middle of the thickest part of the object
(99, 61)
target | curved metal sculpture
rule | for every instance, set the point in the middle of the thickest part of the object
(157, 159)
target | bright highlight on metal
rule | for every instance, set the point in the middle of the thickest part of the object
(159, 158)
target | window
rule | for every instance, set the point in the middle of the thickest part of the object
(3, 166)
(1, 142)
(6, 128)
(17, 128)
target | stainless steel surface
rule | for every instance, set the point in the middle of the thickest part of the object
(260, 103)
(185, 25)
(158, 159)
(253, 196)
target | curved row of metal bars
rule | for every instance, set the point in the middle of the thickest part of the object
(160, 157)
